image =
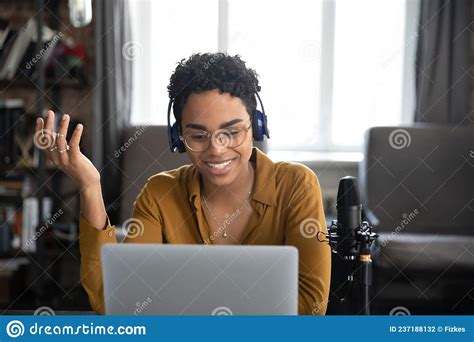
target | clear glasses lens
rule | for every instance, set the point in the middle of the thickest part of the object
(222, 138)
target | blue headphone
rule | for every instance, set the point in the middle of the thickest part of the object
(259, 127)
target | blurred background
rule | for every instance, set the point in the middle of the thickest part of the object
(379, 90)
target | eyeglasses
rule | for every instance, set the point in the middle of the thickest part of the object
(221, 138)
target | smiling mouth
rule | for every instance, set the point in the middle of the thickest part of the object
(219, 165)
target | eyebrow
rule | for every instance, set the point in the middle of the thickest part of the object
(224, 125)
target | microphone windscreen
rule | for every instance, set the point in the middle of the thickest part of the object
(348, 194)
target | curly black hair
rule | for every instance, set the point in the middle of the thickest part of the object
(210, 71)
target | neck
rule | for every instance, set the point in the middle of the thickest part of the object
(240, 188)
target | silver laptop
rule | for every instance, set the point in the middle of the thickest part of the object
(155, 279)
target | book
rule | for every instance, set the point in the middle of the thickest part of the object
(9, 214)
(17, 51)
(4, 32)
(22, 54)
(30, 221)
(7, 39)
(28, 67)
(11, 110)
(9, 187)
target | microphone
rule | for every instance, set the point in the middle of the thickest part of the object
(350, 237)
(349, 213)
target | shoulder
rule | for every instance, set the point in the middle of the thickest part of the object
(295, 181)
(162, 187)
(171, 176)
(166, 181)
(283, 171)
(296, 174)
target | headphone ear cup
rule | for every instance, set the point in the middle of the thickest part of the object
(259, 126)
(265, 131)
(175, 143)
(255, 125)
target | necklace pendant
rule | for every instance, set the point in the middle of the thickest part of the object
(224, 234)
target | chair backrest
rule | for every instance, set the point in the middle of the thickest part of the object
(419, 179)
(146, 152)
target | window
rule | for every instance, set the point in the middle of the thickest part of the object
(164, 32)
(328, 69)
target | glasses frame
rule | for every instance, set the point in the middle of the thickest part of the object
(209, 136)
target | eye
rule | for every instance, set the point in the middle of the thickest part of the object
(198, 136)
(234, 131)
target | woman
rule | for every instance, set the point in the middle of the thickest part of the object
(232, 193)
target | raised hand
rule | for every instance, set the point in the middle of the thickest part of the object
(66, 156)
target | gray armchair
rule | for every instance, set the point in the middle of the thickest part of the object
(417, 184)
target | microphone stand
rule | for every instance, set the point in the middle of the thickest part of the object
(361, 246)
(367, 237)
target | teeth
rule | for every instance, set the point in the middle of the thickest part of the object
(219, 166)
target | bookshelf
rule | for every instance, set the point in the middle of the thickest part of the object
(38, 207)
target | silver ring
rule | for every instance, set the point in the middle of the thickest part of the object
(60, 135)
(66, 149)
(53, 148)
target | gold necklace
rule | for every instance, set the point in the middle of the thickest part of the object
(224, 226)
(224, 233)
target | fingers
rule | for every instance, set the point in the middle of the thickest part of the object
(48, 129)
(58, 152)
(49, 125)
(39, 124)
(41, 140)
(61, 137)
(54, 144)
(44, 139)
(76, 138)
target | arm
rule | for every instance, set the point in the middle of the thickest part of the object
(144, 226)
(92, 207)
(305, 217)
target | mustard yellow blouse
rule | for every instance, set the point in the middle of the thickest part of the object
(288, 210)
